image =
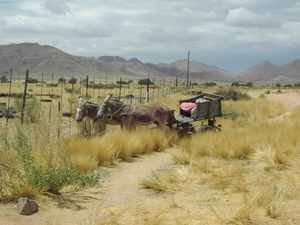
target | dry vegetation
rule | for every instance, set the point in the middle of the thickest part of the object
(246, 174)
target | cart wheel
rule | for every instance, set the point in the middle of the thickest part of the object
(206, 128)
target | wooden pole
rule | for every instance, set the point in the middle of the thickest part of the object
(80, 87)
(153, 97)
(120, 91)
(188, 70)
(99, 87)
(141, 93)
(61, 92)
(50, 110)
(41, 89)
(163, 90)
(87, 87)
(6, 125)
(71, 107)
(24, 96)
(147, 91)
(94, 90)
(9, 93)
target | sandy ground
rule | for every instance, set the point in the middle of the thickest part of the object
(119, 192)
(119, 186)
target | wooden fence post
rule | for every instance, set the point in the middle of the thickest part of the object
(9, 93)
(120, 91)
(87, 87)
(24, 96)
(147, 91)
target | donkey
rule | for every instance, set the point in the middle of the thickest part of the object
(86, 109)
(131, 115)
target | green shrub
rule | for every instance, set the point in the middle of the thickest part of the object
(262, 96)
(17, 177)
(72, 90)
(231, 113)
(31, 109)
(232, 95)
(52, 85)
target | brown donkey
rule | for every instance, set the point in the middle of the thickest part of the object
(131, 115)
(90, 110)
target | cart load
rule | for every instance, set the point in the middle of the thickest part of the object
(205, 106)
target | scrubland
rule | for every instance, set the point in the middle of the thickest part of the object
(248, 173)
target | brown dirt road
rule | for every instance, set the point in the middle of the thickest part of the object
(290, 99)
(119, 187)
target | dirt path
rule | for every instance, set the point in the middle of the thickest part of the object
(122, 186)
(290, 99)
(119, 186)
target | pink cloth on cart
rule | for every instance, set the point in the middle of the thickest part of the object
(187, 106)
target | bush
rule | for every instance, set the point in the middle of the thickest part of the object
(72, 90)
(32, 80)
(30, 175)
(52, 85)
(262, 96)
(233, 95)
(31, 110)
(73, 81)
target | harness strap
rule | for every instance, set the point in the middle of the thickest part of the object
(127, 114)
(124, 113)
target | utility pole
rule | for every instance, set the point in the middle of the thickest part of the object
(188, 68)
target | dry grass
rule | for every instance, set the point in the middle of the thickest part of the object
(245, 213)
(246, 174)
(117, 144)
(181, 156)
(174, 180)
(255, 158)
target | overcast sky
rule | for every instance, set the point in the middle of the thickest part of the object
(231, 34)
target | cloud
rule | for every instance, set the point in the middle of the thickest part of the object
(230, 34)
(57, 7)
(242, 17)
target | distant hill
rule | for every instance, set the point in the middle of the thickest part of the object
(267, 71)
(197, 70)
(46, 59)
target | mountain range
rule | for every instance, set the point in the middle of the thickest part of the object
(49, 60)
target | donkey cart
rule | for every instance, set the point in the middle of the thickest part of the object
(200, 108)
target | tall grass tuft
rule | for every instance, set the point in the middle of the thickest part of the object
(230, 176)
(277, 195)
(117, 144)
(275, 158)
(173, 180)
(243, 215)
(232, 144)
(28, 169)
(253, 110)
(155, 182)
(182, 156)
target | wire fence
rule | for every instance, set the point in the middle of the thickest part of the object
(58, 96)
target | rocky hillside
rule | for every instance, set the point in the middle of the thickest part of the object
(45, 59)
(49, 60)
(267, 71)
